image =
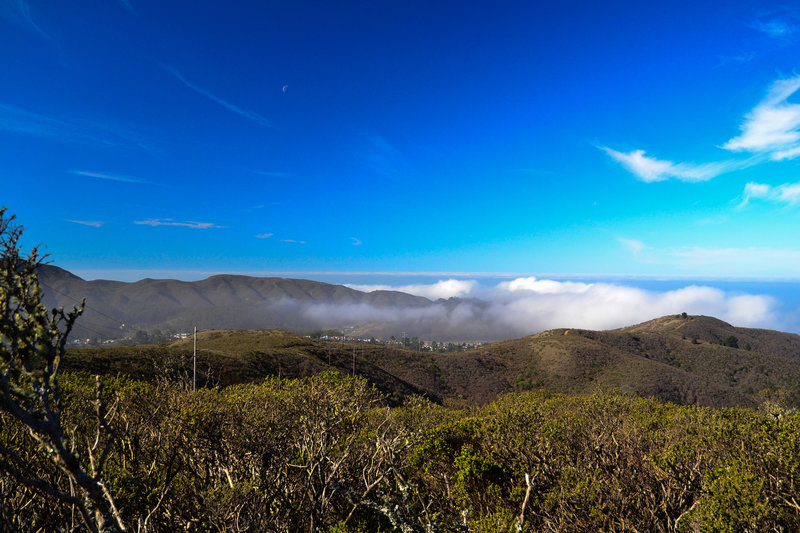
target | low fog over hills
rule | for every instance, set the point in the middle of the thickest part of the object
(448, 310)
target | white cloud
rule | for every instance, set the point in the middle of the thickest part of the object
(170, 222)
(750, 310)
(449, 288)
(92, 223)
(756, 190)
(528, 305)
(775, 28)
(649, 169)
(543, 286)
(788, 193)
(264, 236)
(770, 130)
(634, 246)
(293, 241)
(605, 305)
(773, 126)
(356, 242)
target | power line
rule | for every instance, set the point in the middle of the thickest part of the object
(82, 324)
(80, 301)
(87, 306)
(90, 329)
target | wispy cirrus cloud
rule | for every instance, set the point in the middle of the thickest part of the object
(723, 262)
(264, 236)
(383, 157)
(770, 131)
(787, 193)
(743, 257)
(92, 223)
(633, 245)
(250, 115)
(650, 169)
(772, 127)
(293, 241)
(20, 13)
(356, 242)
(774, 27)
(18, 120)
(744, 57)
(110, 177)
(127, 5)
(169, 222)
(738, 262)
(15, 119)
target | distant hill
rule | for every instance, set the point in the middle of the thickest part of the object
(116, 309)
(673, 358)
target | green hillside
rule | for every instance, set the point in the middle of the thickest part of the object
(675, 359)
(231, 357)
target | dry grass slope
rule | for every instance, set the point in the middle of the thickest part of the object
(674, 358)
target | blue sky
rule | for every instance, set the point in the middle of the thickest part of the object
(180, 139)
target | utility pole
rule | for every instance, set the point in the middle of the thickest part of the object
(194, 362)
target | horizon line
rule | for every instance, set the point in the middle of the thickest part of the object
(96, 274)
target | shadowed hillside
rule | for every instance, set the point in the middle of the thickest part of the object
(682, 360)
(231, 357)
(116, 309)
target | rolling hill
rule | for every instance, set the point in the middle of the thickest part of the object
(116, 309)
(673, 358)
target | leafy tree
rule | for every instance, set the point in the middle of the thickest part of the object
(32, 343)
(731, 341)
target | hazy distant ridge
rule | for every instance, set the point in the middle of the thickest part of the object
(220, 302)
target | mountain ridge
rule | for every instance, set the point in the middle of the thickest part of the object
(225, 301)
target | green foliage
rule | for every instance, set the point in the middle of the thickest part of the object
(323, 452)
(730, 341)
(32, 344)
(735, 501)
